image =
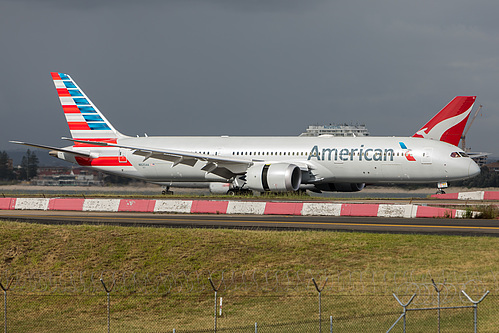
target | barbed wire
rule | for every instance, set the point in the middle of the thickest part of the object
(251, 282)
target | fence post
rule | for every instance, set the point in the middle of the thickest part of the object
(320, 305)
(403, 313)
(438, 293)
(5, 302)
(108, 291)
(215, 289)
(475, 307)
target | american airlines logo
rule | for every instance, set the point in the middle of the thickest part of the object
(408, 152)
(358, 154)
(345, 154)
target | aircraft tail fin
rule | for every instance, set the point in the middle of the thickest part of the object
(448, 125)
(84, 119)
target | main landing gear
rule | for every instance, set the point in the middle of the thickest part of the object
(233, 192)
(166, 190)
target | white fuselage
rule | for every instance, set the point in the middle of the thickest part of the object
(322, 159)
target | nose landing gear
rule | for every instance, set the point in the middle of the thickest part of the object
(441, 186)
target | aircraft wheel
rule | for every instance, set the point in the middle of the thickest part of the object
(231, 192)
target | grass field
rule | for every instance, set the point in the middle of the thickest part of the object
(54, 248)
(45, 248)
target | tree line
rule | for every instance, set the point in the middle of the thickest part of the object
(27, 170)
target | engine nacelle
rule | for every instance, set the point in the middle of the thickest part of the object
(276, 177)
(341, 187)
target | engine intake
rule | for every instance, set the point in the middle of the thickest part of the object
(276, 177)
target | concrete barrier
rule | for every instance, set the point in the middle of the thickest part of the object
(424, 211)
(209, 207)
(359, 210)
(231, 207)
(32, 203)
(66, 204)
(8, 203)
(283, 208)
(173, 206)
(321, 209)
(101, 205)
(407, 211)
(246, 207)
(131, 205)
(472, 195)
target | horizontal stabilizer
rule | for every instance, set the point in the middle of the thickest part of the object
(51, 148)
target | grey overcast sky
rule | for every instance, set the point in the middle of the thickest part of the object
(248, 67)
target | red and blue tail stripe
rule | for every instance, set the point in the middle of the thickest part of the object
(84, 119)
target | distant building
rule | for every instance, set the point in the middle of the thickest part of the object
(64, 176)
(479, 158)
(493, 167)
(336, 130)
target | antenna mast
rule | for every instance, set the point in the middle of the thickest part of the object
(463, 137)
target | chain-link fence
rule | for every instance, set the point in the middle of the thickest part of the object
(249, 301)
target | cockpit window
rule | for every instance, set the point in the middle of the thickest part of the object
(455, 154)
(463, 154)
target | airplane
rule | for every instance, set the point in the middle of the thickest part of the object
(265, 164)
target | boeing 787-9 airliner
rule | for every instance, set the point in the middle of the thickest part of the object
(266, 164)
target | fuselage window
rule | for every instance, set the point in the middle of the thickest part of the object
(454, 154)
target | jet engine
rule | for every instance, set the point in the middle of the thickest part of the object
(275, 177)
(341, 187)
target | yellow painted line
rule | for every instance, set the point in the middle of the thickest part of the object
(271, 222)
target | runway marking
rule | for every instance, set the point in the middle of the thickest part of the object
(268, 222)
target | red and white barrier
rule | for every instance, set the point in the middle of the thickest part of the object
(228, 207)
(475, 195)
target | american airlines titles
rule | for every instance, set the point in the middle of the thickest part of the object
(345, 154)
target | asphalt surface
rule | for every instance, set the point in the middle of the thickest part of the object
(468, 227)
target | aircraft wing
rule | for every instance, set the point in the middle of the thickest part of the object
(52, 148)
(221, 166)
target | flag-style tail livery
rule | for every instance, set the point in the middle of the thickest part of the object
(84, 119)
(275, 164)
(448, 125)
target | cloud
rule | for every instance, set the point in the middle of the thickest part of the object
(211, 67)
(240, 5)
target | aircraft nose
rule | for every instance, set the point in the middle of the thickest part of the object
(473, 169)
